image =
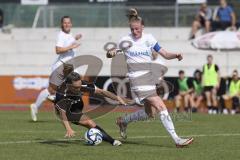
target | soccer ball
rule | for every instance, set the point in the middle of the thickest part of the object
(93, 137)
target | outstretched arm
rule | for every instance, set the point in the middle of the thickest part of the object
(169, 55)
(69, 131)
(109, 95)
(61, 50)
(113, 52)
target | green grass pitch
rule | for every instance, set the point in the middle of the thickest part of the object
(216, 137)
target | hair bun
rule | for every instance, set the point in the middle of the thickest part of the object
(132, 12)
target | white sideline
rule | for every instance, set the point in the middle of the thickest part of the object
(136, 137)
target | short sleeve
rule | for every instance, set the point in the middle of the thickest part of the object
(154, 43)
(60, 40)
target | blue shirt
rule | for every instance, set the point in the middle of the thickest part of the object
(224, 14)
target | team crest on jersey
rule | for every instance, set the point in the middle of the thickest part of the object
(147, 44)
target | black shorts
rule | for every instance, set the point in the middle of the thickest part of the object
(202, 21)
(73, 109)
(208, 88)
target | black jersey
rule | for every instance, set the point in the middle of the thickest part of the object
(65, 98)
(71, 102)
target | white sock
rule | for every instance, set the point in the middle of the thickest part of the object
(41, 98)
(140, 115)
(168, 124)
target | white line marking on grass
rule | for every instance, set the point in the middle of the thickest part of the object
(198, 135)
(135, 137)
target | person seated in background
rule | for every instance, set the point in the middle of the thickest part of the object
(197, 94)
(233, 93)
(184, 89)
(202, 19)
(211, 83)
(224, 17)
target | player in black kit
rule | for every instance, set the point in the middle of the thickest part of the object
(69, 105)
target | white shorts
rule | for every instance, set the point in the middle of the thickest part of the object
(143, 86)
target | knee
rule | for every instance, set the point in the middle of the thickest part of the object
(187, 96)
(207, 94)
(195, 23)
(178, 98)
(207, 23)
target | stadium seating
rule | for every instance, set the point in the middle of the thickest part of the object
(31, 51)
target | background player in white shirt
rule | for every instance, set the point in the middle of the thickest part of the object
(142, 81)
(65, 43)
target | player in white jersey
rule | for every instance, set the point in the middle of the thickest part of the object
(65, 45)
(142, 80)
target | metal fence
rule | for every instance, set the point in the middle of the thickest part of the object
(111, 15)
(98, 15)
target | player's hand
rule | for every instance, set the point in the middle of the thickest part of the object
(179, 57)
(78, 36)
(111, 53)
(70, 133)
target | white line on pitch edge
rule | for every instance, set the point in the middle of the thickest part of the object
(135, 137)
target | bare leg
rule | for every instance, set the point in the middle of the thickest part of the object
(225, 98)
(207, 26)
(198, 101)
(193, 102)
(158, 104)
(195, 27)
(178, 100)
(214, 100)
(208, 99)
(186, 102)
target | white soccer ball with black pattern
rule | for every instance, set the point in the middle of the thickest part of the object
(93, 137)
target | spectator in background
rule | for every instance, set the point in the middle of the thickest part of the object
(197, 94)
(202, 19)
(211, 80)
(1, 18)
(184, 88)
(233, 93)
(224, 17)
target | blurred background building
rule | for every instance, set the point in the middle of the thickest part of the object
(27, 40)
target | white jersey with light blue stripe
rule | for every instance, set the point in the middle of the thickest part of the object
(140, 52)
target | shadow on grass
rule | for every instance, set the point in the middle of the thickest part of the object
(63, 143)
(142, 143)
(68, 142)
